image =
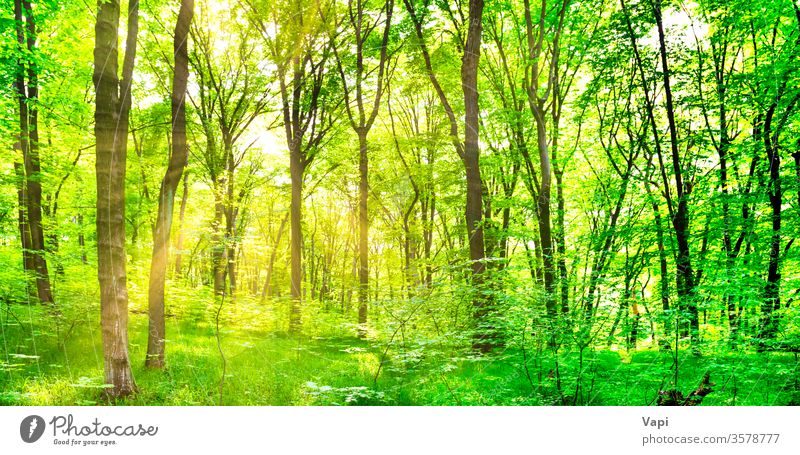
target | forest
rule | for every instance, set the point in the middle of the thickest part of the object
(411, 202)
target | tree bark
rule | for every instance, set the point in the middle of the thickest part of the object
(680, 219)
(230, 218)
(663, 272)
(82, 240)
(363, 234)
(22, 223)
(267, 291)
(169, 185)
(219, 253)
(296, 236)
(537, 106)
(772, 298)
(483, 341)
(29, 143)
(678, 210)
(113, 101)
(361, 120)
(469, 151)
(179, 243)
(560, 238)
(543, 207)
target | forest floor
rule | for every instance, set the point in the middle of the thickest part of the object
(40, 366)
(53, 356)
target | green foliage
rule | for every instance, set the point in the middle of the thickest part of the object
(621, 333)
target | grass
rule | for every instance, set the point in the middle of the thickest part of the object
(262, 368)
(270, 368)
(52, 357)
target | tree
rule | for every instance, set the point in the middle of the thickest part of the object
(538, 97)
(230, 96)
(166, 196)
(778, 101)
(725, 47)
(469, 151)
(678, 206)
(416, 133)
(112, 108)
(295, 35)
(27, 89)
(362, 117)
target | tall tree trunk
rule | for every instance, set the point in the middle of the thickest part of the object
(361, 120)
(731, 249)
(469, 151)
(113, 100)
(410, 269)
(169, 185)
(267, 291)
(559, 234)
(363, 234)
(29, 143)
(230, 220)
(663, 280)
(678, 209)
(543, 207)
(82, 240)
(560, 238)
(772, 296)
(34, 175)
(727, 243)
(24, 232)
(537, 104)
(427, 230)
(296, 236)
(483, 341)
(680, 219)
(218, 251)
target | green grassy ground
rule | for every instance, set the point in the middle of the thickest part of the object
(53, 356)
(59, 362)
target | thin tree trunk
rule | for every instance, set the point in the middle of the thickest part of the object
(230, 212)
(427, 233)
(678, 209)
(179, 243)
(561, 246)
(34, 176)
(680, 219)
(537, 106)
(296, 239)
(772, 298)
(267, 292)
(428, 218)
(663, 278)
(363, 234)
(361, 120)
(543, 207)
(169, 185)
(82, 240)
(219, 253)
